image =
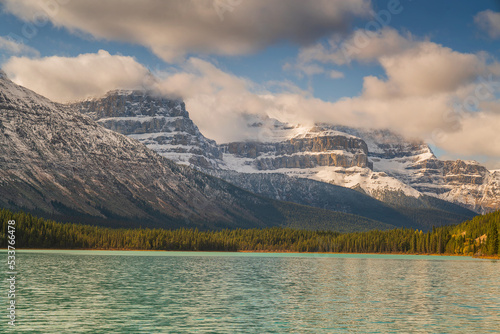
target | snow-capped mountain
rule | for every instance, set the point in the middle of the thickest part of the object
(61, 164)
(412, 162)
(378, 163)
(161, 124)
(322, 153)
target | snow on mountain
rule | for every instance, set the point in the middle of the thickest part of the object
(392, 164)
(412, 162)
(159, 123)
(321, 153)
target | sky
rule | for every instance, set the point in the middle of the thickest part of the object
(428, 70)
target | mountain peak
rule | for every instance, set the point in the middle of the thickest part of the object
(123, 92)
(155, 120)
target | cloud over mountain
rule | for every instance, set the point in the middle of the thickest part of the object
(71, 78)
(427, 91)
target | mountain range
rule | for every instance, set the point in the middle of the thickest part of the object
(135, 158)
(379, 163)
(325, 166)
(61, 164)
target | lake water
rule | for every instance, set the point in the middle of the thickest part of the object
(173, 292)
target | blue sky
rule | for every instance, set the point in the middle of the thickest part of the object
(450, 23)
(231, 49)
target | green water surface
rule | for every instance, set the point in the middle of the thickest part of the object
(205, 292)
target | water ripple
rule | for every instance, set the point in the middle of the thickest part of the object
(125, 292)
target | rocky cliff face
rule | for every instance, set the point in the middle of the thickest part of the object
(379, 163)
(327, 150)
(323, 153)
(159, 123)
(462, 182)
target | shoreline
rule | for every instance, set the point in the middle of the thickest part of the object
(486, 257)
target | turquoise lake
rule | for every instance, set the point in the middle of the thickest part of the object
(184, 292)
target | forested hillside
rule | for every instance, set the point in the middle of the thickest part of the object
(478, 236)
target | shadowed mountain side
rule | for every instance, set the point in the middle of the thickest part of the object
(422, 213)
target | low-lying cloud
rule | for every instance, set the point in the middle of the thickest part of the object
(65, 79)
(429, 92)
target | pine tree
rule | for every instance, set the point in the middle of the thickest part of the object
(492, 239)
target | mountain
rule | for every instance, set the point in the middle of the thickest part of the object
(161, 124)
(422, 213)
(304, 165)
(61, 164)
(466, 183)
(376, 162)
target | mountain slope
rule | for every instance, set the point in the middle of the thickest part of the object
(376, 162)
(60, 163)
(422, 213)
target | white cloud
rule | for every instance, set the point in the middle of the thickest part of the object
(336, 74)
(478, 135)
(173, 28)
(10, 46)
(304, 69)
(412, 67)
(415, 97)
(218, 101)
(489, 21)
(65, 79)
(425, 69)
(361, 45)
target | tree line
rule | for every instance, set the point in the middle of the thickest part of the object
(476, 236)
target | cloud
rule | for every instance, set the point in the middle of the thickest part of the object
(364, 46)
(428, 91)
(217, 101)
(425, 69)
(304, 69)
(10, 46)
(334, 74)
(460, 115)
(66, 79)
(412, 67)
(172, 29)
(361, 45)
(489, 21)
(478, 135)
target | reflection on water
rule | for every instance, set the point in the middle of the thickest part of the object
(157, 292)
